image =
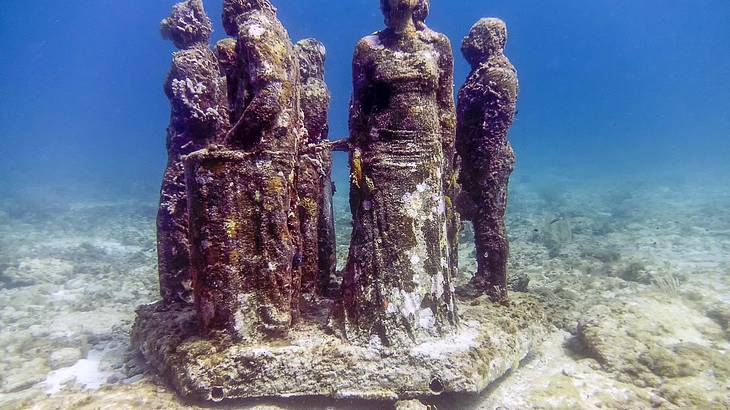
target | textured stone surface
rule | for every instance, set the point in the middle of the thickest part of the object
(491, 340)
(397, 284)
(486, 109)
(245, 230)
(315, 94)
(326, 234)
(266, 110)
(315, 173)
(197, 95)
(243, 241)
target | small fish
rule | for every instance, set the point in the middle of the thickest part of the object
(558, 219)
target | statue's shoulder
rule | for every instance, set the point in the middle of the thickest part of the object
(368, 45)
(191, 61)
(500, 66)
(370, 42)
(439, 40)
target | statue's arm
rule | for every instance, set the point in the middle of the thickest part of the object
(259, 114)
(265, 105)
(502, 83)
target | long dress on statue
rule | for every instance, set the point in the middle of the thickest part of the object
(397, 285)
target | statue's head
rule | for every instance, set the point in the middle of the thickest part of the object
(420, 13)
(312, 54)
(398, 12)
(187, 25)
(486, 38)
(232, 9)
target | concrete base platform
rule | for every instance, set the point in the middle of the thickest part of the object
(492, 340)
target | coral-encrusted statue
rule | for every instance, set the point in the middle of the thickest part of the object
(487, 105)
(255, 189)
(397, 284)
(244, 227)
(199, 116)
(314, 180)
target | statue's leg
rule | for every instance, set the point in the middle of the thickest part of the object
(492, 245)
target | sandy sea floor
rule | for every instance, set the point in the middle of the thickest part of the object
(634, 275)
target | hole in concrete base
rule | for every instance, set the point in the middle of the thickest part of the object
(436, 386)
(217, 394)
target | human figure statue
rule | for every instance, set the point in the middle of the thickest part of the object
(197, 95)
(486, 110)
(267, 115)
(244, 223)
(314, 182)
(397, 286)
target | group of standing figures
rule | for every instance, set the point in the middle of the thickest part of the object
(245, 228)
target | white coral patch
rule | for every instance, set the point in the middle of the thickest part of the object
(415, 259)
(393, 301)
(283, 120)
(256, 31)
(426, 320)
(437, 285)
(413, 203)
(400, 300)
(410, 304)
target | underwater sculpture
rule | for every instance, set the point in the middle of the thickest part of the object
(397, 284)
(259, 213)
(314, 179)
(199, 116)
(244, 228)
(486, 110)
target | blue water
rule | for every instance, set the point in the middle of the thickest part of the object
(609, 87)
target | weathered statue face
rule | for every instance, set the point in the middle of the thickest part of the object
(312, 54)
(486, 38)
(398, 13)
(234, 8)
(420, 14)
(188, 24)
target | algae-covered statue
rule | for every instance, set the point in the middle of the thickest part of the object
(486, 110)
(314, 179)
(250, 125)
(244, 227)
(397, 284)
(197, 95)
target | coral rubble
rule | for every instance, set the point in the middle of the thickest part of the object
(486, 109)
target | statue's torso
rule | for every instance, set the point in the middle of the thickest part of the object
(403, 89)
(489, 97)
